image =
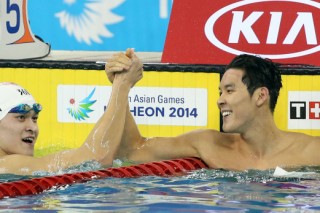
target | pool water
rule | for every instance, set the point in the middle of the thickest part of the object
(198, 191)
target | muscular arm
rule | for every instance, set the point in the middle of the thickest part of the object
(191, 144)
(104, 139)
(140, 149)
(131, 136)
(137, 148)
(101, 144)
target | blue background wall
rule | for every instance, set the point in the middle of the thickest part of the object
(132, 23)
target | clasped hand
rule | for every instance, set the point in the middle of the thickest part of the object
(124, 67)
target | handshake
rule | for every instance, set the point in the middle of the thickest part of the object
(125, 67)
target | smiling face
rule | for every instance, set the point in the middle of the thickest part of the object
(18, 133)
(235, 103)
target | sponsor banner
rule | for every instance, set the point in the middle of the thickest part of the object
(297, 93)
(196, 90)
(148, 105)
(213, 32)
(169, 106)
(184, 101)
(304, 110)
(104, 25)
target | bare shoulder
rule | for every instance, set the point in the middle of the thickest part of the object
(306, 146)
(314, 141)
(204, 135)
(206, 138)
(303, 138)
(205, 132)
(214, 147)
(309, 148)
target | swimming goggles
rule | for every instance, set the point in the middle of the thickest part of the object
(25, 108)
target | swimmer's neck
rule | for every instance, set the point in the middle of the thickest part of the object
(262, 141)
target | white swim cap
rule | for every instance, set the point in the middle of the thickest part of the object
(12, 95)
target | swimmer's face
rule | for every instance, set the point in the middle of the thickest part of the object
(235, 103)
(18, 133)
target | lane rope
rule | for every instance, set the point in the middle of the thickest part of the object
(160, 168)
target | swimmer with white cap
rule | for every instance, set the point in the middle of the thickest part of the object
(18, 107)
(19, 128)
(13, 96)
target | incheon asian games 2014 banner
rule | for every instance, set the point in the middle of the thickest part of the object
(103, 25)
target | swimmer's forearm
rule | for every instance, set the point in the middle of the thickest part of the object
(103, 141)
(130, 137)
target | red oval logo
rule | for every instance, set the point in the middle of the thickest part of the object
(267, 28)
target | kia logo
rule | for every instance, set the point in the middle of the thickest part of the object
(266, 27)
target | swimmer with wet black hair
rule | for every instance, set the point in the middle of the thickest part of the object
(249, 90)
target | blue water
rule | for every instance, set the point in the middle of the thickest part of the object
(198, 191)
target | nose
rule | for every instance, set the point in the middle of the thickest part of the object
(220, 101)
(32, 126)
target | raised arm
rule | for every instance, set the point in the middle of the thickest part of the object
(140, 149)
(131, 135)
(101, 144)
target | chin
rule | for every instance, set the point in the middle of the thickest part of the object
(228, 130)
(225, 129)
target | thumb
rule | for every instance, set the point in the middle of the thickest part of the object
(130, 52)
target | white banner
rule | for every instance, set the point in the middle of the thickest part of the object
(148, 105)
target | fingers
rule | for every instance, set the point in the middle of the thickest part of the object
(137, 62)
(130, 52)
(115, 69)
(127, 65)
(111, 76)
(119, 62)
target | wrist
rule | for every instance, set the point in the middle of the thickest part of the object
(122, 85)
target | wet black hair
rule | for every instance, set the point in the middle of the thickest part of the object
(259, 72)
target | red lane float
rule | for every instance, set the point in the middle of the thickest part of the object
(160, 168)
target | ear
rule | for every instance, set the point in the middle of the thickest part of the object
(262, 96)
